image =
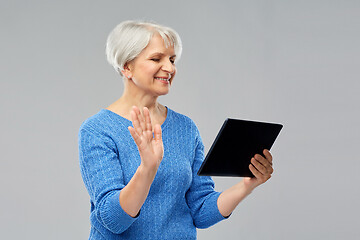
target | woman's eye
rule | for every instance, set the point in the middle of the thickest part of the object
(155, 59)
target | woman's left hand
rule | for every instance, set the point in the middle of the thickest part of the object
(262, 169)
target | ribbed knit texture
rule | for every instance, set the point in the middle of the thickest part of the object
(179, 200)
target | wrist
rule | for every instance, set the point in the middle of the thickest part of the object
(147, 171)
(246, 189)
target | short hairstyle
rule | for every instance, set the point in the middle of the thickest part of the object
(129, 38)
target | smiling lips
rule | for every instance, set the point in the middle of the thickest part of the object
(163, 79)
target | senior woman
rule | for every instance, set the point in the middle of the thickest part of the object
(139, 159)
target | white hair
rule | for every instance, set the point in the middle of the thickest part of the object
(129, 38)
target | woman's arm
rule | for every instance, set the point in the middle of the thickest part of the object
(151, 150)
(261, 168)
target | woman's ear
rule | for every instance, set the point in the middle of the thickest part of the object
(127, 71)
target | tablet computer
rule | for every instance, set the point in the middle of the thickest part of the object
(236, 143)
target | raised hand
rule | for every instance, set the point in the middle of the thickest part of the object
(262, 169)
(150, 147)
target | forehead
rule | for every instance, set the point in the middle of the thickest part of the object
(157, 45)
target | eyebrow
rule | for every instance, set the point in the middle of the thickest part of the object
(161, 54)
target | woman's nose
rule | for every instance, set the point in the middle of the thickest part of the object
(168, 66)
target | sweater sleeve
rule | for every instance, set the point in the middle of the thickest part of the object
(201, 196)
(103, 178)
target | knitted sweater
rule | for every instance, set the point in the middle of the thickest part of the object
(179, 201)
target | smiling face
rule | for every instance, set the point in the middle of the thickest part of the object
(153, 70)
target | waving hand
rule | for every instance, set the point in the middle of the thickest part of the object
(150, 146)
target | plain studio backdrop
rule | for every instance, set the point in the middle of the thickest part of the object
(292, 62)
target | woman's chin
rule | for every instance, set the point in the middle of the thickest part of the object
(162, 92)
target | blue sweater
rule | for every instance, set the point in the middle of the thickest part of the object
(179, 200)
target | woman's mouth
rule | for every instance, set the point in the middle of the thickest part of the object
(163, 80)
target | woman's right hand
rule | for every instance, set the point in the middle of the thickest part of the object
(150, 147)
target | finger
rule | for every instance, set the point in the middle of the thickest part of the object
(157, 133)
(147, 119)
(255, 172)
(141, 121)
(139, 117)
(262, 178)
(258, 166)
(136, 137)
(264, 161)
(263, 165)
(135, 121)
(268, 155)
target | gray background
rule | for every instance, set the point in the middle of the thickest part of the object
(293, 62)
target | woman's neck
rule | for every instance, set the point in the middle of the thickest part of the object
(124, 104)
(151, 103)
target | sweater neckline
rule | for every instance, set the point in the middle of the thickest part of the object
(129, 123)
